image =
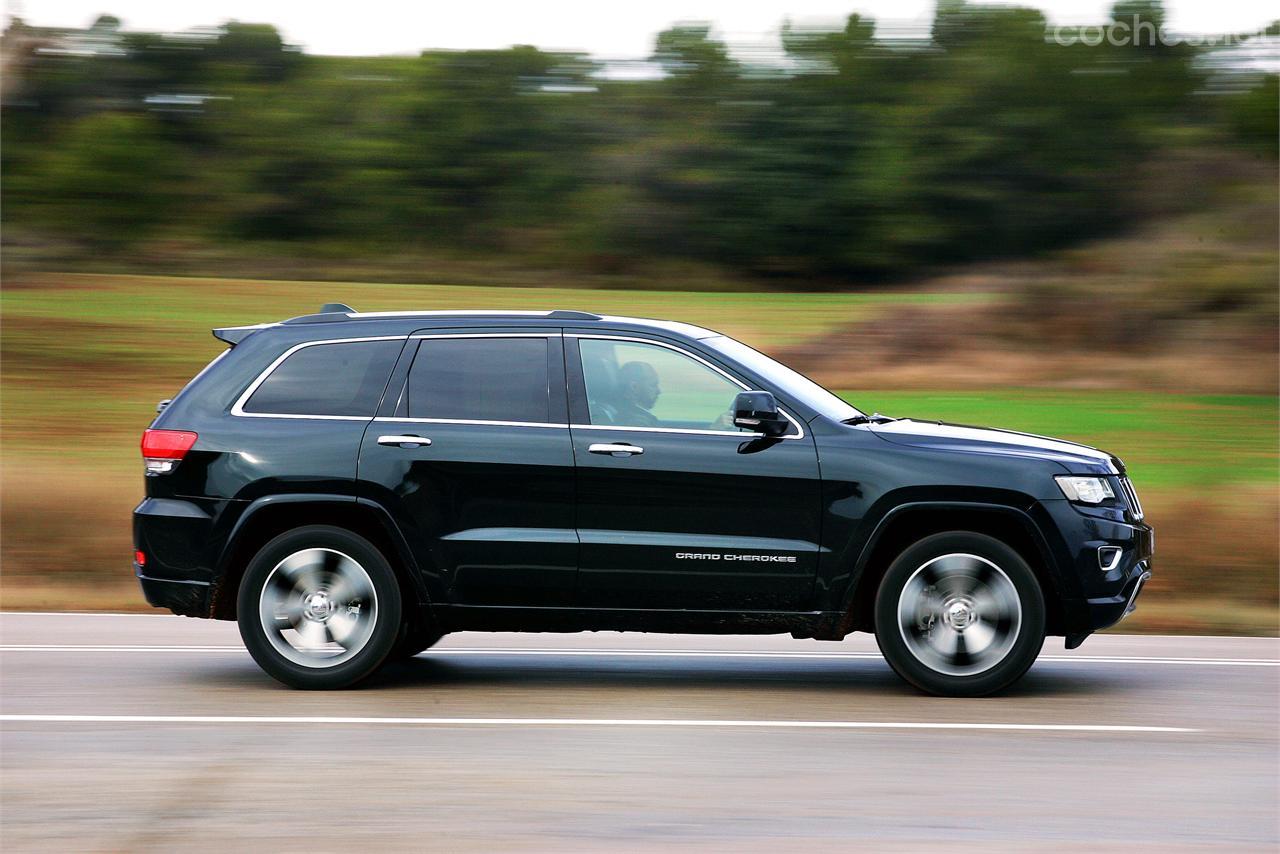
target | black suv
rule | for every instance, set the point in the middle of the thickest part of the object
(352, 486)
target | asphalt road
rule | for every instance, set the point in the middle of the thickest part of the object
(134, 733)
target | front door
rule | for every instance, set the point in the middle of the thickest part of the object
(677, 508)
(471, 453)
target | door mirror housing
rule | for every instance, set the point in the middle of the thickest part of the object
(758, 411)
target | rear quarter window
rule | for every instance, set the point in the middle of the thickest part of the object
(345, 378)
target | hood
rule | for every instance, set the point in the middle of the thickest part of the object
(938, 436)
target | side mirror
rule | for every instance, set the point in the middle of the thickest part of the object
(758, 411)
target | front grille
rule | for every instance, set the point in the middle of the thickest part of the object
(1131, 497)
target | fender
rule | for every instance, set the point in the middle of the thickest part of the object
(1023, 518)
(385, 522)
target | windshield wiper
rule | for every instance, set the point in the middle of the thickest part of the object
(873, 418)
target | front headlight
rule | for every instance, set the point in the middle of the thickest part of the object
(1086, 490)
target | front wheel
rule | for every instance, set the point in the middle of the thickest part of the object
(960, 614)
(319, 607)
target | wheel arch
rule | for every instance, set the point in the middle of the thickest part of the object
(912, 522)
(270, 516)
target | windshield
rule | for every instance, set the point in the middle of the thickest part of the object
(784, 379)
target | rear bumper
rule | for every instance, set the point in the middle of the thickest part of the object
(185, 598)
(178, 540)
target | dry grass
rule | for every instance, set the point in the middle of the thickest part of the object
(66, 528)
(964, 347)
(1187, 304)
(107, 594)
(1215, 565)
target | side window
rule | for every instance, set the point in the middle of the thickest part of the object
(643, 385)
(481, 379)
(328, 379)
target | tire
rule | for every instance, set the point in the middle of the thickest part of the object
(319, 608)
(960, 614)
(414, 638)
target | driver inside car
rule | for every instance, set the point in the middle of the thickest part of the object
(638, 391)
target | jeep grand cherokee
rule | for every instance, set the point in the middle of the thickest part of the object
(351, 486)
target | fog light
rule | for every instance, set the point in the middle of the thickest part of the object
(1109, 557)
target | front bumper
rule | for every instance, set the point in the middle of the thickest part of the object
(1105, 594)
(1106, 611)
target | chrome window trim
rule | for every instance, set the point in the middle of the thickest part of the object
(465, 312)
(472, 421)
(800, 434)
(419, 336)
(237, 408)
(301, 417)
(740, 434)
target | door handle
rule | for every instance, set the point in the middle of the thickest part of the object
(621, 449)
(404, 441)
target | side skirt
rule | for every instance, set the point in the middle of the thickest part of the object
(476, 618)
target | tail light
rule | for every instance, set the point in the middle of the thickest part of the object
(162, 450)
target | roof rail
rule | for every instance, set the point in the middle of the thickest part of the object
(334, 312)
(330, 312)
(564, 314)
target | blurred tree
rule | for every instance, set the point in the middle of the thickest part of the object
(254, 51)
(694, 62)
(111, 180)
(484, 146)
(854, 156)
(1254, 116)
(1160, 71)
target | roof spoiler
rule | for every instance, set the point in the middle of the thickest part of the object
(330, 311)
(233, 335)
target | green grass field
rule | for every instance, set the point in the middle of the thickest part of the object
(113, 345)
(183, 309)
(90, 355)
(116, 344)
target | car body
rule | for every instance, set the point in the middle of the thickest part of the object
(564, 471)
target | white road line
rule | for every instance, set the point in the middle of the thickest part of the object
(647, 653)
(584, 722)
(115, 648)
(82, 614)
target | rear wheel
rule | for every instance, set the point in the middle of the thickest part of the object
(960, 614)
(319, 607)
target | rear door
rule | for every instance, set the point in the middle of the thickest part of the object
(471, 453)
(678, 509)
(297, 428)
